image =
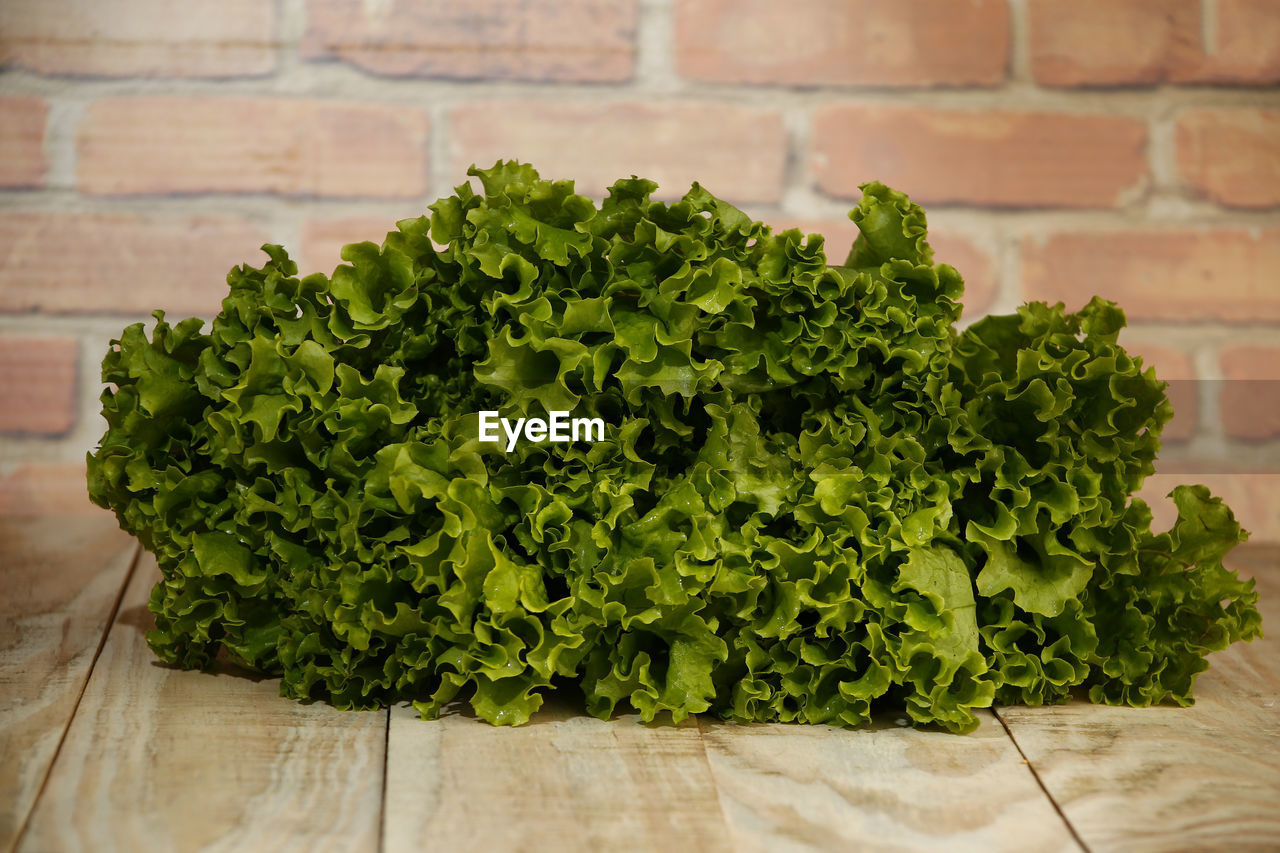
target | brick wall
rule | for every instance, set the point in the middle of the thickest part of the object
(1129, 148)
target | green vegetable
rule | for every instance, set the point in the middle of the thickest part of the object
(814, 499)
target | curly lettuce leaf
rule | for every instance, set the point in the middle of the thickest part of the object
(815, 499)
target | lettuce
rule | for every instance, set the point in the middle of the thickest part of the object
(815, 497)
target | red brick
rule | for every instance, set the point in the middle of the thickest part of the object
(46, 488)
(996, 158)
(974, 263)
(37, 384)
(1171, 363)
(1105, 42)
(1180, 275)
(323, 239)
(844, 42)
(63, 263)
(1175, 367)
(230, 38)
(738, 153)
(1253, 497)
(165, 145)
(548, 40)
(22, 162)
(1146, 42)
(1250, 399)
(1232, 155)
(1246, 49)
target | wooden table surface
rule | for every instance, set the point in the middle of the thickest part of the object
(102, 748)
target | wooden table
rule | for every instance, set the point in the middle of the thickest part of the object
(102, 748)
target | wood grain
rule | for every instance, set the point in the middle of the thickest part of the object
(886, 787)
(161, 759)
(565, 782)
(60, 580)
(1152, 779)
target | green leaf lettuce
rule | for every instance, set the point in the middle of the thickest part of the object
(815, 497)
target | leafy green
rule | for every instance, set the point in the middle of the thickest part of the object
(815, 497)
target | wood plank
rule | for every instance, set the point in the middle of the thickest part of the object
(62, 581)
(1168, 778)
(161, 759)
(884, 787)
(564, 782)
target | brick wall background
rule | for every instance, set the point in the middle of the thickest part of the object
(1063, 148)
